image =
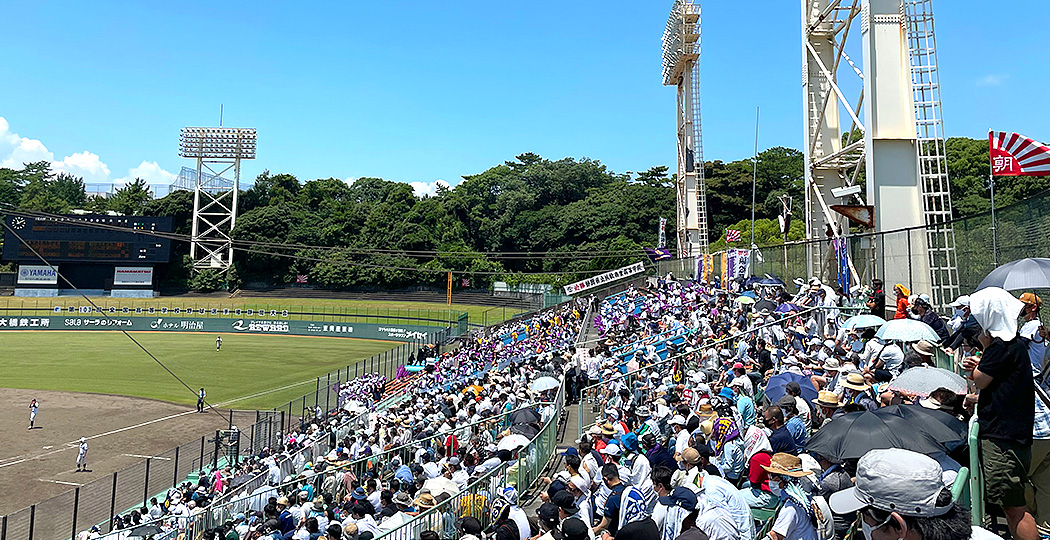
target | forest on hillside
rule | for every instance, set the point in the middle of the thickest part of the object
(530, 219)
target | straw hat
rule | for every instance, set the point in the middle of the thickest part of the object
(608, 429)
(827, 399)
(426, 500)
(855, 381)
(786, 465)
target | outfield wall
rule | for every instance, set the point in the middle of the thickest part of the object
(272, 326)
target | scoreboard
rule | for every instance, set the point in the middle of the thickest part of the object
(87, 238)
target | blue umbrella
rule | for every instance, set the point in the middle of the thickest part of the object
(786, 307)
(771, 280)
(863, 321)
(775, 386)
(749, 294)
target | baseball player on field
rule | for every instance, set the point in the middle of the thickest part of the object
(82, 455)
(218, 343)
(33, 408)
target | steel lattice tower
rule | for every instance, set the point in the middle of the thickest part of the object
(901, 143)
(681, 68)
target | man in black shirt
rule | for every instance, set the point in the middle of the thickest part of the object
(1003, 375)
(765, 358)
(877, 299)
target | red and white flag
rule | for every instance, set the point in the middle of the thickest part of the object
(732, 235)
(302, 278)
(1013, 154)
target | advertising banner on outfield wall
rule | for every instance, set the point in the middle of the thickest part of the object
(212, 325)
(133, 275)
(37, 275)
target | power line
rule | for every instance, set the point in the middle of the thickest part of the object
(252, 247)
(106, 315)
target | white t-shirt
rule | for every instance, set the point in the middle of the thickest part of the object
(681, 441)
(791, 524)
(1036, 344)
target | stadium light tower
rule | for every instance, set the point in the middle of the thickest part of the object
(217, 150)
(900, 147)
(681, 68)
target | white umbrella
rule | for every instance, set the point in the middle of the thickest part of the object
(907, 330)
(441, 485)
(544, 383)
(512, 442)
(1019, 275)
(923, 380)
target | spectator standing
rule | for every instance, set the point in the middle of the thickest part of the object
(901, 292)
(1003, 374)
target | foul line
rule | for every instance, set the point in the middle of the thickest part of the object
(60, 482)
(148, 457)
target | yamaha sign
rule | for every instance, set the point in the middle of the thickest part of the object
(37, 275)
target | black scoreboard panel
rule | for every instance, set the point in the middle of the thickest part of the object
(81, 239)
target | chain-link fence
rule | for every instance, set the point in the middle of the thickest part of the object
(905, 255)
(97, 502)
(312, 406)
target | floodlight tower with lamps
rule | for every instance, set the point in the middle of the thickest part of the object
(218, 150)
(681, 68)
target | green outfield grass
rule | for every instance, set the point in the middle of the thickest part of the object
(110, 363)
(326, 309)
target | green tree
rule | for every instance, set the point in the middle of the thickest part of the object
(132, 198)
(70, 189)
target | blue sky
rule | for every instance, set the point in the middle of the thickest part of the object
(428, 91)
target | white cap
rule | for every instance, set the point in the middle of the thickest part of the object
(894, 480)
(961, 301)
(677, 420)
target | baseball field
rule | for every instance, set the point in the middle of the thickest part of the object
(102, 386)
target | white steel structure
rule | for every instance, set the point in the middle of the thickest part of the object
(217, 151)
(900, 145)
(681, 68)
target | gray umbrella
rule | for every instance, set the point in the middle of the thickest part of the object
(1019, 275)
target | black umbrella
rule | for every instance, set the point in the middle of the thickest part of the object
(941, 426)
(528, 430)
(524, 416)
(764, 304)
(145, 530)
(1020, 275)
(852, 435)
(771, 281)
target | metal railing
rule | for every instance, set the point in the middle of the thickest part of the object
(629, 377)
(98, 502)
(476, 497)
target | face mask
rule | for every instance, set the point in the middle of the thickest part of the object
(774, 486)
(866, 529)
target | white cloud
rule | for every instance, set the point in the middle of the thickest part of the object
(350, 180)
(151, 172)
(16, 150)
(992, 79)
(84, 164)
(421, 189)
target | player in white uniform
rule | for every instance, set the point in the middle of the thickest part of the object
(33, 408)
(218, 343)
(82, 456)
(200, 400)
